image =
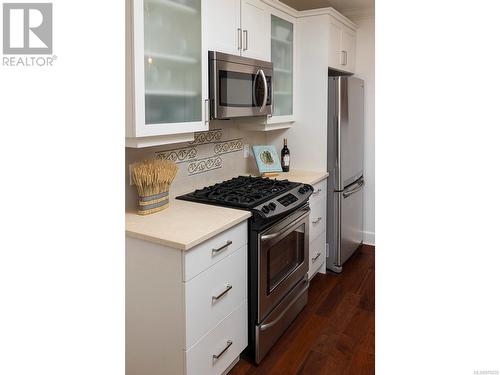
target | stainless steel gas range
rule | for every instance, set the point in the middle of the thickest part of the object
(278, 253)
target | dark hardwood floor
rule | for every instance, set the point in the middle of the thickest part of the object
(335, 333)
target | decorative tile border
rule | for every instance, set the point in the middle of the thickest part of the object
(202, 144)
(204, 165)
(210, 136)
(180, 155)
(226, 147)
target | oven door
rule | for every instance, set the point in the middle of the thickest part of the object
(240, 90)
(283, 259)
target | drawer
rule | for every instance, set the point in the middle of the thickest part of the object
(317, 254)
(214, 250)
(317, 218)
(319, 191)
(227, 280)
(231, 333)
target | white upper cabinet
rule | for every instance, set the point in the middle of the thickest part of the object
(348, 49)
(283, 58)
(282, 43)
(342, 47)
(335, 45)
(223, 31)
(256, 29)
(167, 71)
(239, 27)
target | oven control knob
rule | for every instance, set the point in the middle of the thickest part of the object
(302, 190)
(265, 209)
(271, 206)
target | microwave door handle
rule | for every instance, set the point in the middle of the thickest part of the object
(264, 101)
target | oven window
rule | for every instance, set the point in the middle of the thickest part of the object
(284, 257)
(242, 89)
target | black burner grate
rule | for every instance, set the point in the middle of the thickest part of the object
(242, 191)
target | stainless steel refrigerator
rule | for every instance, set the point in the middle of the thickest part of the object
(345, 165)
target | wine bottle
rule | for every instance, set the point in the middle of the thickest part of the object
(285, 157)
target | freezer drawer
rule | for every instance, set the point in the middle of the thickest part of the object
(344, 224)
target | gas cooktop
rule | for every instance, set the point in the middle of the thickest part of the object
(264, 196)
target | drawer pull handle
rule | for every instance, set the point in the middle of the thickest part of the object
(228, 344)
(316, 221)
(317, 192)
(228, 288)
(219, 249)
(316, 257)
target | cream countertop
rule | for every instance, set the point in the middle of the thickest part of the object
(306, 177)
(183, 224)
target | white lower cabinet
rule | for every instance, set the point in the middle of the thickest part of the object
(319, 192)
(214, 250)
(317, 254)
(317, 229)
(317, 218)
(218, 349)
(178, 325)
(213, 294)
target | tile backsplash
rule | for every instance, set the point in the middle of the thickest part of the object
(212, 157)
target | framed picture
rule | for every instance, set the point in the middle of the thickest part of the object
(267, 159)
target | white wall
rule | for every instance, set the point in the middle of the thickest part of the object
(365, 69)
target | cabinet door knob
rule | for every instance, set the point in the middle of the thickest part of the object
(316, 257)
(239, 38)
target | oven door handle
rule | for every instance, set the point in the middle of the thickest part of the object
(270, 236)
(264, 101)
(267, 237)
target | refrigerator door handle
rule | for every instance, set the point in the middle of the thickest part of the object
(357, 187)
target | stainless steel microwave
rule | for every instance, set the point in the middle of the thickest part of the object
(239, 86)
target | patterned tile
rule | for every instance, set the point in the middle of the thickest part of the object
(204, 165)
(226, 147)
(179, 155)
(210, 136)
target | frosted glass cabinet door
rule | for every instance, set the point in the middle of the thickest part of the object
(282, 58)
(172, 61)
